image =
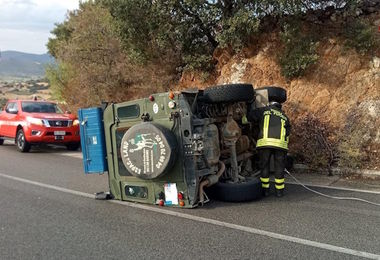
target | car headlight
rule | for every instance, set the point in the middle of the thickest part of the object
(35, 121)
(76, 122)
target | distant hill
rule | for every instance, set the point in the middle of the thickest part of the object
(15, 64)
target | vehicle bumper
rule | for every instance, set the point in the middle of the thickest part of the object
(39, 134)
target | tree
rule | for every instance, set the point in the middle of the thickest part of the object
(91, 52)
(114, 46)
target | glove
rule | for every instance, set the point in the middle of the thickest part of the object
(244, 120)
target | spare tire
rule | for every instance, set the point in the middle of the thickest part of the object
(229, 93)
(276, 94)
(148, 150)
(236, 192)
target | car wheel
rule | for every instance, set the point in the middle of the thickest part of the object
(229, 93)
(21, 143)
(236, 192)
(1, 141)
(72, 146)
(276, 94)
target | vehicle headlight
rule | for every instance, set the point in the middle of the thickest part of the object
(76, 122)
(35, 121)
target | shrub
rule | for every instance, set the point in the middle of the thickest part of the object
(359, 36)
(312, 144)
(300, 52)
(3, 101)
(354, 138)
(199, 62)
(238, 29)
(350, 151)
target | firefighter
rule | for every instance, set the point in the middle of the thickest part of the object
(273, 139)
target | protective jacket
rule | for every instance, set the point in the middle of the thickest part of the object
(274, 127)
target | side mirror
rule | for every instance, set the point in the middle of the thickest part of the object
(67, 112)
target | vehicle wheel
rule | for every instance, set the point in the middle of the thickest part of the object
(236, 192)
(21, 143)
(1, 141)
(229, 93)
(276, 94)
(72, 146)
(148, 150)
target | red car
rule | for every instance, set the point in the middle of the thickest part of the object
(30, 122)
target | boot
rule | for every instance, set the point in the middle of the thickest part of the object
(266, 192)
(279, 193)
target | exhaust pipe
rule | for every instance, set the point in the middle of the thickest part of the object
(209, 181)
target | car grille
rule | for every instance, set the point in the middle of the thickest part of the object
(52, 133)
(58, 123)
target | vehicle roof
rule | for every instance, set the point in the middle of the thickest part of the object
(30, 100)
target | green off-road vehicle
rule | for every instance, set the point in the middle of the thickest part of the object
(178, 149)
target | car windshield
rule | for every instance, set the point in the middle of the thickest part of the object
(40, 107)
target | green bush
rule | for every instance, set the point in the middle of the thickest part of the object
(3, 101)
(353, 140)
(238, 29)
(359, 36)
(199, 62)
(35, 88)
(300, 52)
(351, 152)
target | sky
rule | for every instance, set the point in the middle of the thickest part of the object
(25, 25)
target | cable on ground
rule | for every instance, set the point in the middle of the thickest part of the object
(329, 196)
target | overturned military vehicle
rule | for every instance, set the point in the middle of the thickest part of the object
(178, 149)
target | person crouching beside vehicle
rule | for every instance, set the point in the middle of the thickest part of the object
(273, 139)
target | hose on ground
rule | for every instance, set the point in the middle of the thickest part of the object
(329, 196)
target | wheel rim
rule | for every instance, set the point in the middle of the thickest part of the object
(20, 140)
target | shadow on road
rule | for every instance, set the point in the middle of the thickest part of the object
(43, 148)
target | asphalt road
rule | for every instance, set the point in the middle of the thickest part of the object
(46, 213)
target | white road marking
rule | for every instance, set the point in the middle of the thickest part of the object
(72, 154)
(251, 230)
(79, 155)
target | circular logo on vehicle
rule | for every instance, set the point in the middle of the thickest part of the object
(145, 151)
(155, 108)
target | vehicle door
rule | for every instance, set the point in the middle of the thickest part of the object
(2, 116)
(9, 121)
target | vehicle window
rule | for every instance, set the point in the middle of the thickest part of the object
(119, 136)
(11, 106)
(132, 111)
(40, 107)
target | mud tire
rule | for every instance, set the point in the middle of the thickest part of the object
(229, 93)
(236, 192)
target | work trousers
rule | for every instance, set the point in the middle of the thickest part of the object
(279, 157)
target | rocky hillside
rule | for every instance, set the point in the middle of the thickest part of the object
(325, 53)
(339, 89)
(334, 108)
